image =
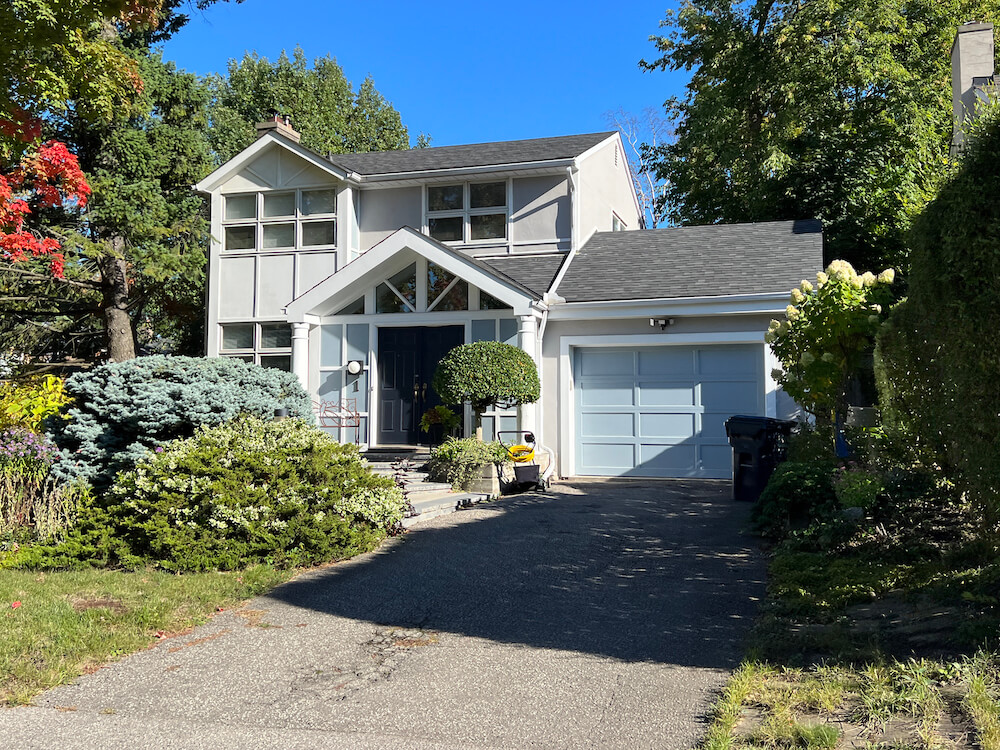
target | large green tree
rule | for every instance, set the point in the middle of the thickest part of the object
(834, 109)
(135, 253)
(322, 104)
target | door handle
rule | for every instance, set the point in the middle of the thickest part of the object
(416, 391)
(423, 394)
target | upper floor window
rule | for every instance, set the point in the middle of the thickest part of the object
(617, 225)
(295, 219)
(467, 212)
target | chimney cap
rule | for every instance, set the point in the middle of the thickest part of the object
(281, 124)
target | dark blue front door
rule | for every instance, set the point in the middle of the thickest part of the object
(407, 358)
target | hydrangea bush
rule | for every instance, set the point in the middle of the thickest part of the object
(828, 330)
(235, 494)
(122, 410)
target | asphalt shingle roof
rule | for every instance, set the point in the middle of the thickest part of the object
(470, 155)
(702, 261)
(533, 272)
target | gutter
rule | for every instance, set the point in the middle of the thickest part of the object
(454, 171)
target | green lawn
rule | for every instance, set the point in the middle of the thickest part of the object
(69, 623)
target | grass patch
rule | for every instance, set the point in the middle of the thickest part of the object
(56, 626)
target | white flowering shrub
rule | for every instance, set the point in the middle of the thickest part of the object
(829, 326)
(243, 492)
(122, 410)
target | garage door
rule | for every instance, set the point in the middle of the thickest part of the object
(661, 411)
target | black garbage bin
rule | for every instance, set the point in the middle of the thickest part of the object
(759, 445)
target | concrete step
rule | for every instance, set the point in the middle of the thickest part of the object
(392, 465)
(419, 488)
(440, 504)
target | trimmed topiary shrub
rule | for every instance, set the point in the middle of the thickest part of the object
(796, 495)
(458, 461)
(235, 494)
(486, 373)
(122, 410)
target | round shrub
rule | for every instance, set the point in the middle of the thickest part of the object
(796, 495)
(235, 494)
(486, 373)
(121, 410)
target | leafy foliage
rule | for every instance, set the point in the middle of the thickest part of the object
(828, 330)
(29, 403)
(836, 109)
(485, 373)
(857, 487)
(321, 102)
(937, 362)
(234, 494)
(122, 410)
(796, 495)
(440, 415)
(457, 461)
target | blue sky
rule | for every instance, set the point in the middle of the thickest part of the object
(460, 72)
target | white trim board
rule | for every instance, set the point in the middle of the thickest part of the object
(567, 344)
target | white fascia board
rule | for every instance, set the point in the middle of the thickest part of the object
(451, 172)
(773, 303)
(357, 273)
(594, 149)
(241, 159)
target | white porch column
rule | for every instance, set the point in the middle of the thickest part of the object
(527, 330)
(300, 353)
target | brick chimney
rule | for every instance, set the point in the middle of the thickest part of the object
(280, 124)
(972, 71)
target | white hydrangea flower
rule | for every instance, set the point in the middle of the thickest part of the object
(791, 312)
(868, 279)
(822, 278)
(807, 359)
(805, 286)
(841, 269)
(877, 308)
(798, 297)
(887, 276)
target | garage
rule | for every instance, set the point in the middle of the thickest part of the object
(660, 411)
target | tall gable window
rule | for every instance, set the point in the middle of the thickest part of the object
(467, 212)
(280, 220)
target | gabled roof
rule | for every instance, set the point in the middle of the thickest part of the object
(704, 261)
(470, 155)
(533, 272)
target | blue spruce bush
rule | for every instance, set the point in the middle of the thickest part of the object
(121, 410)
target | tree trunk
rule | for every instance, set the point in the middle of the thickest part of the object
(117, 322)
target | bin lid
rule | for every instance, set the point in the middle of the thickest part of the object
(747, 426)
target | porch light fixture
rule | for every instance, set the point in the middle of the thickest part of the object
(661, 322)
(355, 366)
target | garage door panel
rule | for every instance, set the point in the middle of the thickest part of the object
(668, 361)
(609, 459)
(656, 459)
(661, 411)
(717, 460)
(666, 394)
(607, 424)
(731, 395)
(666, 425)
(727, 360)
(608, 394)
(606, 363)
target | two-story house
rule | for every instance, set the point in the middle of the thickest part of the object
(358, 272)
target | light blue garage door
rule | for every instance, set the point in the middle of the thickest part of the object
(661, 411)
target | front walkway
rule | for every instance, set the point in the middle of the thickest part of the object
(603, 614)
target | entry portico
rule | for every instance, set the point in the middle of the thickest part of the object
(368, 337)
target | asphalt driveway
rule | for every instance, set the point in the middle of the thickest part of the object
(600, 614)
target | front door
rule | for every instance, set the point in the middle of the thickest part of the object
(407, 358)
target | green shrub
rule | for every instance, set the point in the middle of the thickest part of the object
(857, 488)
(940, 362)
(232, 495)
(458, 461)
(486, 373)
(29, 403)
(121, 410)
(796, 495)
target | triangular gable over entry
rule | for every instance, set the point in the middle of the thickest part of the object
(392, 256)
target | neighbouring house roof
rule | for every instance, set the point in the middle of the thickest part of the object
(703, 261)
(470, 155)
(533, 272)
